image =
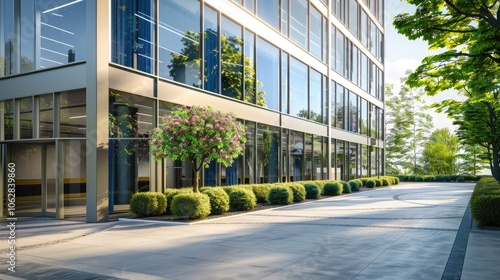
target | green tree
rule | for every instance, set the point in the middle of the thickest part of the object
(441, 152)
(199, 135)
(407, 129)
(473, 159)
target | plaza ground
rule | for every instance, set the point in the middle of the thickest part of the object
(408, 231)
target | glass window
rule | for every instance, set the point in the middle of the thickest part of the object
(179, 41)
(269, 11)
(333, 39)
(353, 112)
(315, 42)
(62, 32)
(250, 5)
(75, 174)
(298, 22)
(250, 153)
(339, 54)
(340, 108)
(211, 47)
(364, 28)
(284, 18)
(308, 155)
(296, 149)
(298, 88)
(284, 82)
(26, 118)
(268, 71)
(364, 117)
(364, 72)
(46, 116)
(267, 153)
(316, 96)
(285, 160)
(355, 64)
(250, 82)
(232, 59)
(72, 113)
(353, 17)
(340, 169)
(8, 40)
(28, 36)
(353, 161)
(130, 115)
(8, 106)
(317, 170)
(364, 161)
(332, 103)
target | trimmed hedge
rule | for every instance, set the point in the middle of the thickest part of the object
(346, 188)
(312, 191)
(485, 202)
(354, 185)
(229, 189)
(378, 182)
(260, 192)
(219, 200)
(280, 195)
(171, 193)
(299, 192)
(191, 205)
(370, 183)
(333, 188)
(460, 179)
(242, 199)
(148, 204)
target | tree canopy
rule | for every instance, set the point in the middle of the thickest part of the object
(440, 153)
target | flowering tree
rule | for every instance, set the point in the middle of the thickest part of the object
(199, 135)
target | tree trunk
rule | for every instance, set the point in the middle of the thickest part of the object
(196, 181)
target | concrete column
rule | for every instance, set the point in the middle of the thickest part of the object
(97, 94)
(59, 196)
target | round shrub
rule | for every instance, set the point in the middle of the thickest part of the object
(419, 179)
(312, 191)
(396, 180)
(363, 181)
(191, 205)
(411, 178)
(429, 178)
(171, 193)
(385, 182)
(280, 195)
(378, 182)
(219, 200)
(370, 183)
(333, 188)
(299, 192)
(354, 185)
(460, 179)
(346, 187)
(360, 183)
(260, 192)
(148, 204)
(242, 199)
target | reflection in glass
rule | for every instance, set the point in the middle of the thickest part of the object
(231, 59)
(211, 50)
(75, 173)
(299, 22)
(298, 88)
(72, 113)
(308, 155)
(353, 112)
(27, 35)
(46, 116)
(250, 86)
(316, 39)
(340, 110)
(284, 82)
(269, 11)
(316, 94)
(130, 115)
(317, 169)
(340, 169)
(364, 117)
(285, 161)
(62, 32)
(250, 153)
(353, 161)
(8, 40)
(8, 106)
(296, 149)
(267, 153)
(26, 117)
(268, 71)
(179, 41)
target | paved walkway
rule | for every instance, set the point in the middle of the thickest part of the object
(400, 232)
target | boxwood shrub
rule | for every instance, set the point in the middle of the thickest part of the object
(385, 182)
(148, 204)
(354, 185)
(411, 178)
(460, 179)
(260, 192)
(333, 188)
(346, 187)
(171, 193)
(370, 183)
(191, 205)
(219, 200)
(378, 182)
(485, 202)
(242, 199)
(419, 178)
(280, 195)
(312, 191)
(298, 190)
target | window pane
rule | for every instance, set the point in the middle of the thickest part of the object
(28, 36)
(308, 153)
(179, 57)
(284, 82)
(250, 81)
(353, 161)
(8, 106)
(211, 41)
(353, 17)
(62, 32)
(249, 5)
(353, 112)
(317, 169)
(339, 54)
(315, 44)
(46, 116)
(26, 118)
(284, 18)
(340, 108)
(364, 117)
(8, 40)
(297, 156)
(268, 67)
(333, 39)
(316, 94)
(72, 113)
(298, 88)
(130, 115)
(250, 153)
(267, 153)
(340, 169)
(298, 22)
(355, 64)
(269, 11)
(232, 58)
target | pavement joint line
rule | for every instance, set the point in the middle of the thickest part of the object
(54, 242)
(354, 218)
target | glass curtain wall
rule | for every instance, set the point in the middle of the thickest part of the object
(298, 88)
(268, 75)
(296, 151)
(268, 141)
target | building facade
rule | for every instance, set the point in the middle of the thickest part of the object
(82, 84)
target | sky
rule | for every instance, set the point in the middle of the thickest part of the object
(402, 54)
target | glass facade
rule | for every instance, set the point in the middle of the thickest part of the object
(322, 98)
